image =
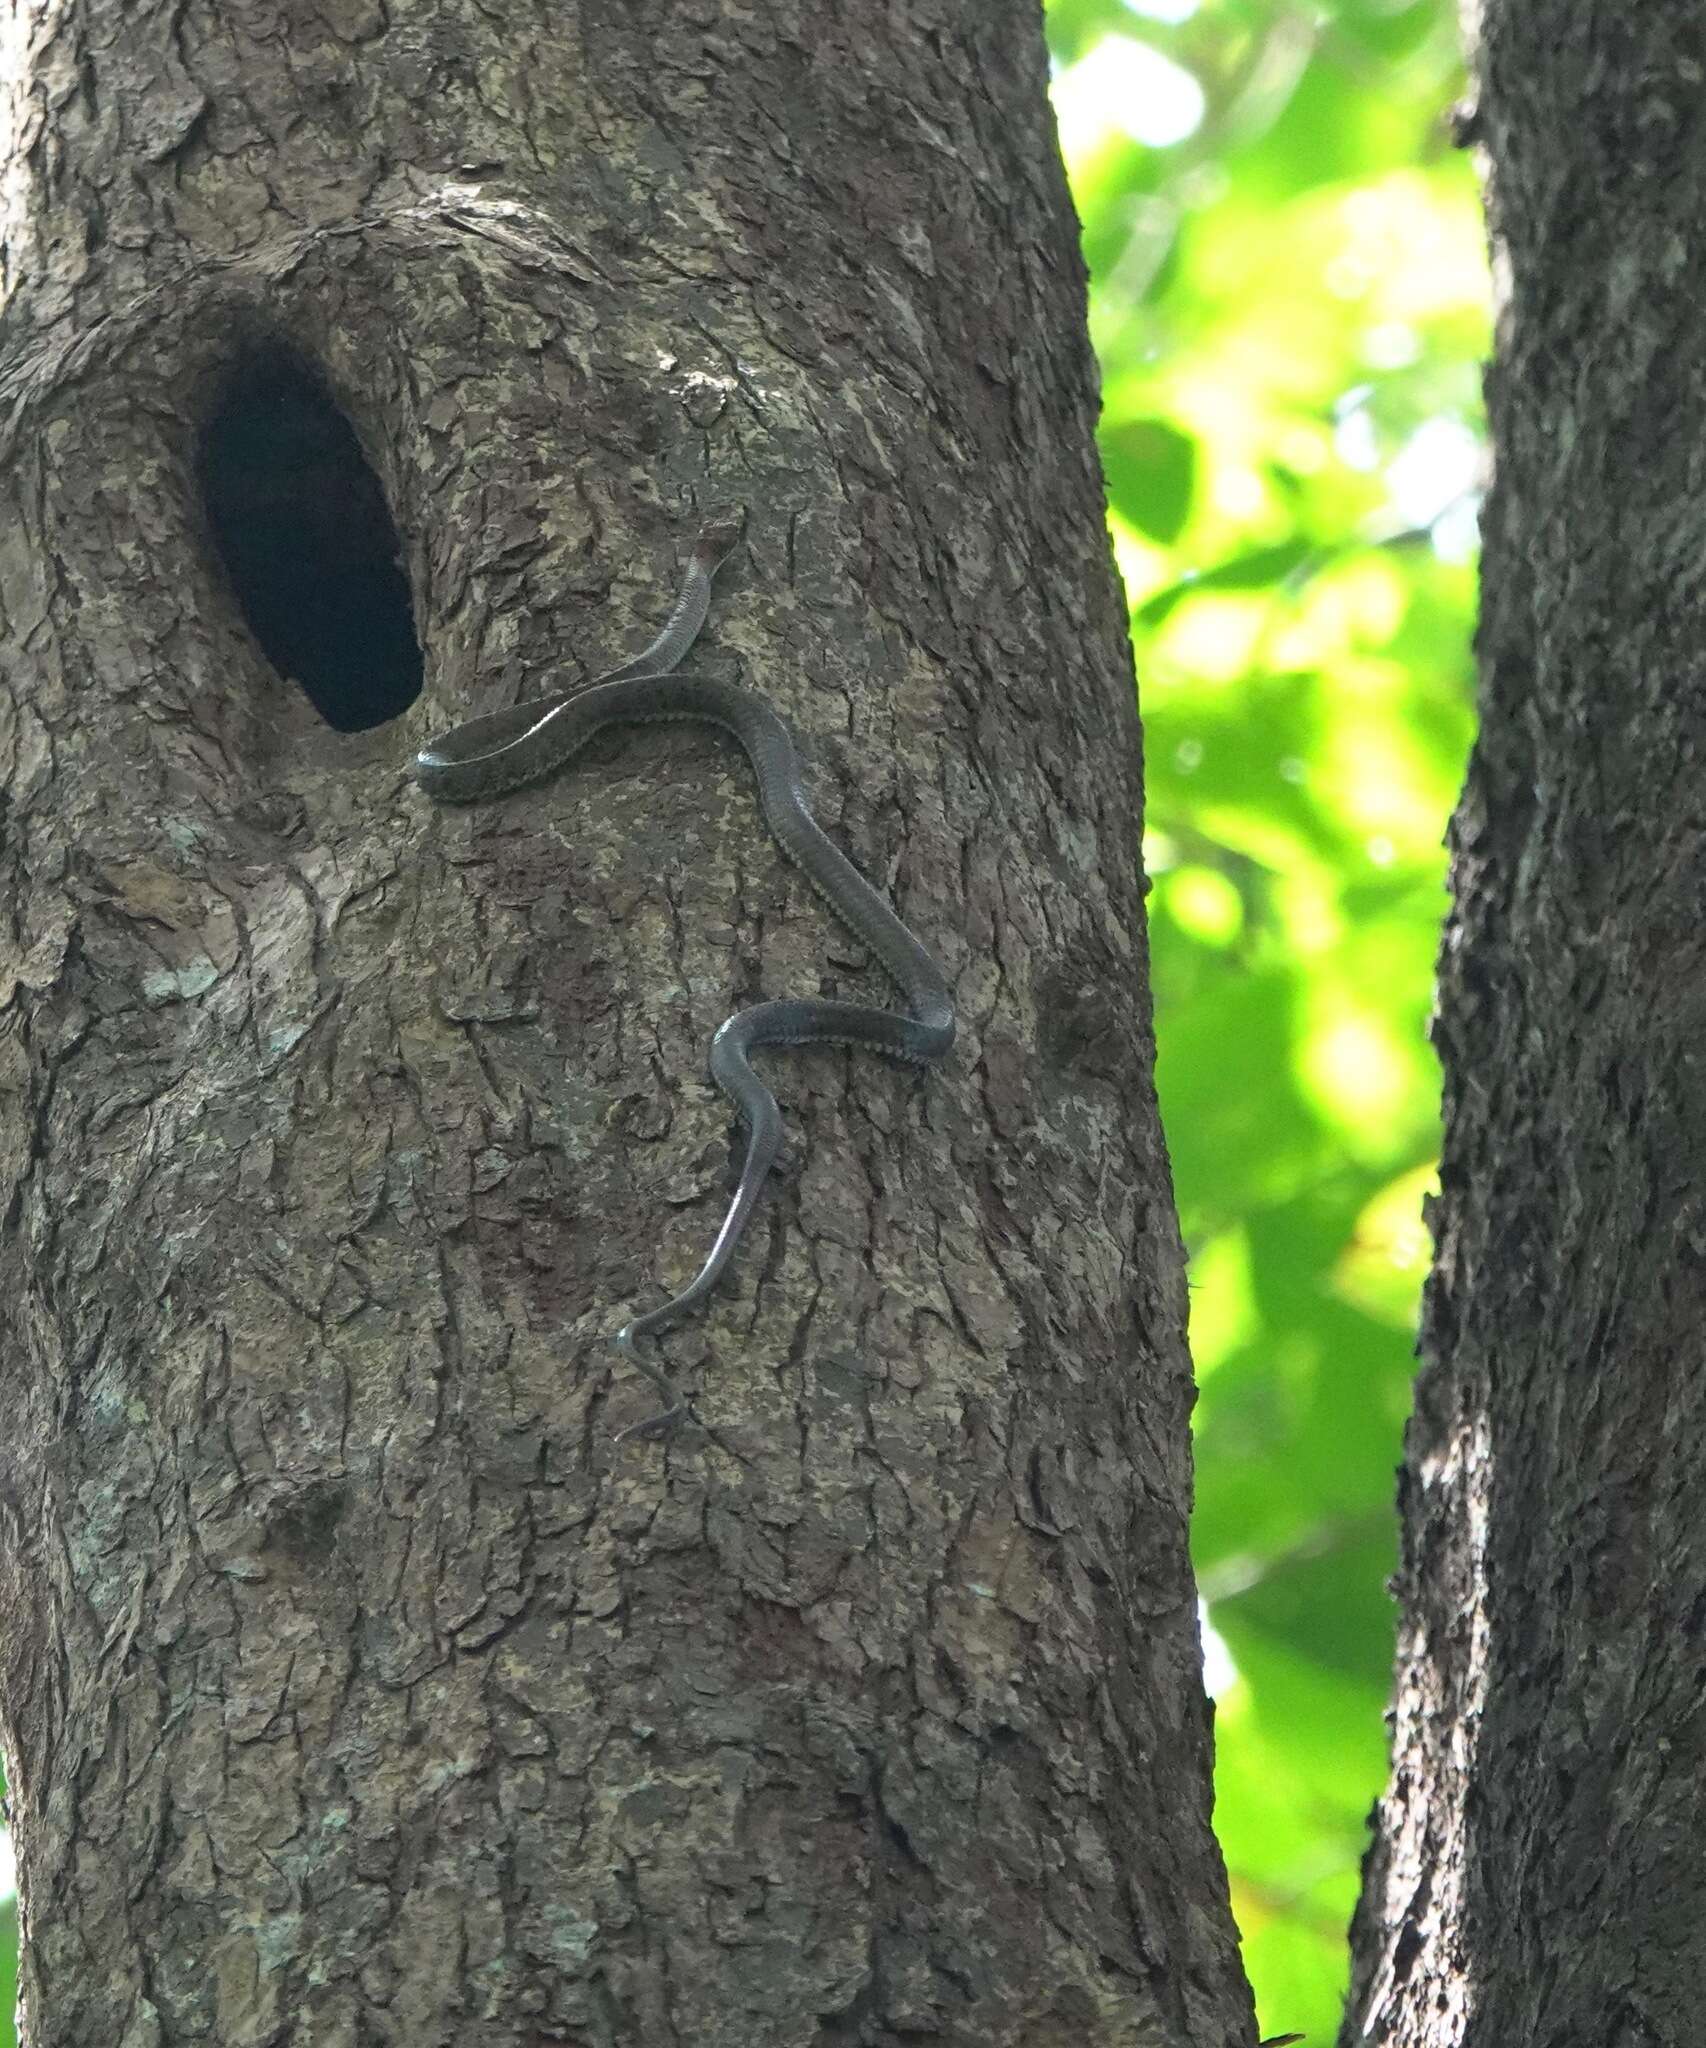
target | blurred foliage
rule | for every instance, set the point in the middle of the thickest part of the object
(1289, 299)
(8, 1972)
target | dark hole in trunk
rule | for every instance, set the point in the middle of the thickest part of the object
(308, 542)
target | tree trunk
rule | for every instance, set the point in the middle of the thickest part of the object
(1538, 1880)
(356, 1687)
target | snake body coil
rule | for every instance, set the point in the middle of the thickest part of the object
(487, 756)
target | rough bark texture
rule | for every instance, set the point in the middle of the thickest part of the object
(355, 1689)
(1538, 1880)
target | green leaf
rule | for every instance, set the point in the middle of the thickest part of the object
(1250, 571)
(1151, 467)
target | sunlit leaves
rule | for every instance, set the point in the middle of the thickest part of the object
(1289, 298)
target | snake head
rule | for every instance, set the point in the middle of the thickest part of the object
(719, 536)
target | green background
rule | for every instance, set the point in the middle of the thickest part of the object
(1289, 299)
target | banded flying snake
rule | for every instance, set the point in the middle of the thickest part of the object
(485, 757)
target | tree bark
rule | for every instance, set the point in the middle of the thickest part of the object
(1538, 1878)
(355, 1688)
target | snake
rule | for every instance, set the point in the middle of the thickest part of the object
(508, 750)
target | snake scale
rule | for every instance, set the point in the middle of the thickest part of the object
(485, 757)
